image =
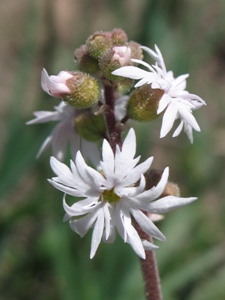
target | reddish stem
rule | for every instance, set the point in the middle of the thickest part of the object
(114, 133)
(149, 270)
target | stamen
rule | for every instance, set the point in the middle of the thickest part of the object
(110, 196)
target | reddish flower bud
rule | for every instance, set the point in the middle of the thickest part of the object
(98, 43)
(113, 59)
(119, 36)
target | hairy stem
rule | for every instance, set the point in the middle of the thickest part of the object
(149, 270)
(114, 133)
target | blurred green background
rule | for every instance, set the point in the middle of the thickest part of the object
(40, 257)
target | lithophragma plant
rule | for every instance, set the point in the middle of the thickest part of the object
(112, 191)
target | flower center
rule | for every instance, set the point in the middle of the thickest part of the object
(110, 196)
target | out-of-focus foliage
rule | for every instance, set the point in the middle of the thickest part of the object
(40, 257)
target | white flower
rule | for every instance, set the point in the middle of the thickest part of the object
(113, 196)
(55, 86)
(176, 102)
(64, 133)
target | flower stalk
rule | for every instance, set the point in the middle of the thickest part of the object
(113, 131)
(149, 269)
(118, 193)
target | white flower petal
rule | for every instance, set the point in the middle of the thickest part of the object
(113, 224)
(150, 52)
(143, 63)
(124, 161)
(196, 100)
(120, 107)
(123, 166)
(97, 232)
(130, 72)
(157, 56)
(131, 191)
(180, 82)
(88, 202)
(44, 80)
(153, 193)
(178, 130)
(112, 236)
(134, 175)
(47, 142)
(79, 183)
(188, 131)
(169, 203)
(59, 141)
(89, 175)
(164, 101)
(82, 225)
(188, 117)
(147, 225)
(107, 218)
(107, 163)
(65, 189)
(129, 144)
(118, 218)
(169, 118)
(43, 117)
(62, 76)
(160, 59)
(135, 241)
(149, 246)
(53, 86)
(81, 207)
(63, 172)
(66, 217)
(141, 82)
(133, 237)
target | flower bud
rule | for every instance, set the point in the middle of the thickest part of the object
(89, 126)
(84, 61)
(98, 43)
(84, 90)
(122, 54)
(119, 36)
(153, 177)
(143, 103)
(55, 85)
(113, 59)
(136, 51)
(171, 189)
(124, 85)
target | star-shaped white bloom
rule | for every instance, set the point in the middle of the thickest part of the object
(176, 102)
(114, 196)
(64, 133)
